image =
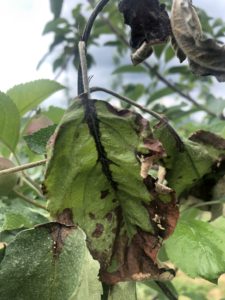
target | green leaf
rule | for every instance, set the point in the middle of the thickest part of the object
(43, 263)
(37, 141)
(161, 93)
(29, 95)
(179, 69)
(59, 26)
(54, 113)
(152, 289)
(90, 287)
(56, 7)
(124, 290)
(79, 177)
(9, 122)
(129, 69)
(198, 249)
(16, 214)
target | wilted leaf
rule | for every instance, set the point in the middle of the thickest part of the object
(197, 248)
(27, 96)
(206, 56)
(9, 122)
(43, 263)
(37, 141)
(149, 24)
(208, 138)
(95, 170)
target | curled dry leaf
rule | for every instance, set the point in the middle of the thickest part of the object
(149, 24)
(206, 56)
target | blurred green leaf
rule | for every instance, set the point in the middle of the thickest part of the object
(161, 93)
(9, 122)
(54, 113)
(28, 95)
(16, 214)
(56, 7)
(129, 69)
(37, 141)
(198, 249)
(59, 26)
(123, 290)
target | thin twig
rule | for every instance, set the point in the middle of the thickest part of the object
(26, 178)
(83, 66)
(85, 37)
(178, 91)
(28, 200)
(159, 117)
(23, 167)
(166, 290)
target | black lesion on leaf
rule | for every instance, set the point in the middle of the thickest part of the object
(148, 20)
(104, 194)
(92, 121)
(98, 230)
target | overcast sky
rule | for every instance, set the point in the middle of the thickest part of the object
(22, 43)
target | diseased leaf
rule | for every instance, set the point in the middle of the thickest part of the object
(37, 141)
(149, 24)
(58, 26)
(123, 215)
(27, 96)
(185, 163)
(208, 138)
(206, 56)
(197, 248)
(43, 263)
(9, 122)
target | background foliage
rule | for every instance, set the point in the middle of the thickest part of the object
(160, 84)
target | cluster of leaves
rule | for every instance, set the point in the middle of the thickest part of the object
(113, 217)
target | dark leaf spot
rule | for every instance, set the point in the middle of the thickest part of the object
(98, 230)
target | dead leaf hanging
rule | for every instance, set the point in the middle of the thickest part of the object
(149, 24)
(206, 56)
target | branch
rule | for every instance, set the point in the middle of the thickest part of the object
(23, 167)
(28, 200)
(162, 119)
(86, 34)
(83, 67)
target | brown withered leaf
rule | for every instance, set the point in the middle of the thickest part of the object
(208, 138)
(206, 56)
(137, 259)
(149, 24)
